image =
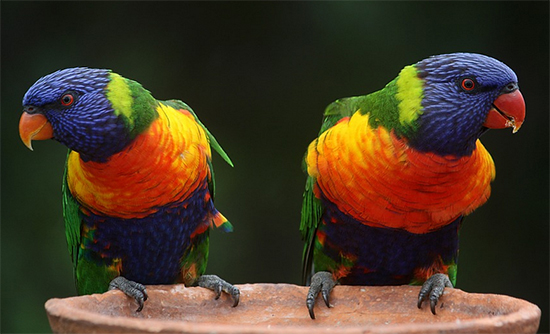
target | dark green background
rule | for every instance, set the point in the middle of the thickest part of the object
(259, 76)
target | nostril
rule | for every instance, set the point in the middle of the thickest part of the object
(510, 87)
(29, 109)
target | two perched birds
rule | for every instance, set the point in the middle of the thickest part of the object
(389, 178)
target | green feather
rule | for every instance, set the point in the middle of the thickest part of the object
(93, 278)
(71, 215)
(312, 211)
(395, 107)
(143, 108)
(196, 255)
(339, 109)
(398, 105)
(133, 103)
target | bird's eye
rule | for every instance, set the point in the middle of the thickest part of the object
(467, 84)
(67, 99)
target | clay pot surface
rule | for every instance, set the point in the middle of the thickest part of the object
(280, 308)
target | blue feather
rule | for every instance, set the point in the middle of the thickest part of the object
(452, 118)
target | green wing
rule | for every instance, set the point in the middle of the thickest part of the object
(339, 109)
(71, 215)
(312, 211)
(312, 208)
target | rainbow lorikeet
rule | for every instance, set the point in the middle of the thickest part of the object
(138, 185)
(392, 174)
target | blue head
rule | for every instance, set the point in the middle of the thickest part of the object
(80, 112)
(464, 94)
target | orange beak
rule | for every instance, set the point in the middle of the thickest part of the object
(34, 127)
(508, 112)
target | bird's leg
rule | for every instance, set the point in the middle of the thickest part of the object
(322, 282)
(218, 285)
(432, 289)
(131, 289)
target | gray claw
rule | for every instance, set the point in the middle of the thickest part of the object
(432, 289)
(320, 282)
(218, 285)
(131, 289)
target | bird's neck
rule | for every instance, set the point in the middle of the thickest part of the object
(398, 105)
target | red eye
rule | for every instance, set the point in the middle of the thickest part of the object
(67, 99)
(468, 84)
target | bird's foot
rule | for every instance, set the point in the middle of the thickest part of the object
(432, 289)
(218, 285)
(131, 289)
(320, 282)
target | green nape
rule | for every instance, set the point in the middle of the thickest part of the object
(395, 107)
(132, 102)
(383, 106)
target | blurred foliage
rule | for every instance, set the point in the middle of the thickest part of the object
(259, 75)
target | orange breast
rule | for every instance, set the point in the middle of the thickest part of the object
(375, 177)
(163, 165)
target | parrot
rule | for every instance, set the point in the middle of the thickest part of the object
(138, 185)
(392, 174)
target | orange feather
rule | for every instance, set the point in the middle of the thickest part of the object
(163, 165)
(375, 177)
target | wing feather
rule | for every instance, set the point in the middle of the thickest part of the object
(312, 208)
(72, 218)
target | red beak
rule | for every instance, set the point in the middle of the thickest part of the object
(34, 126)
(508, 112)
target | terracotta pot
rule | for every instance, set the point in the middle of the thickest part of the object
(274, 308)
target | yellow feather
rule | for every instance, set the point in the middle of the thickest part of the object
(409, 93)
(120, 96)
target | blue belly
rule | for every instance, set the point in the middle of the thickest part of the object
(384, 256)
(151, 248)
